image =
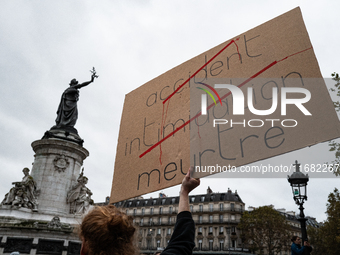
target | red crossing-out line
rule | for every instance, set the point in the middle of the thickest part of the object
(296, 53)
(199, 114)
(162, 125)
(190, 77)
(218, 53)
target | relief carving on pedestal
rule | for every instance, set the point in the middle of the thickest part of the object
(54, 223)
(61, 163)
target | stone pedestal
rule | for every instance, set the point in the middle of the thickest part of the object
(55, 169)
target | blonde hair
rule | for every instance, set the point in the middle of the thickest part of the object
(108, 231)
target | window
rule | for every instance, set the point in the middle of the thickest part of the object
(210, 219)
(221, 207)
(148, 244)
(210, 230)
(134, 212)
(233, 230)
(191, 208)
(158, 243)
(141, 221)
(160, 210)
(143, 211)
(232, 206)
(137, 204)
(241, 208)
(160, 220)
(201, 208)
(200, 230)
(127, 211)
(158, 231)
(150, 221)
(170, 209)
(200, 244)
(173, 200)
(151, 211)
(146, 202)
(169, 231)
(233, 243)
(233, 217)
(221, 218)
(211, 207)
(211, 244)
(170, 220)
(221, 230)
(221, 244)
(163, 201)
(192, 199)
(154, 201)
(202, 199)
(200, 219)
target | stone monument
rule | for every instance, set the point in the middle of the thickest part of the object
(40, 214)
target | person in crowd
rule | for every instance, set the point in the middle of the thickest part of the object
(296, 246)
(106, 230)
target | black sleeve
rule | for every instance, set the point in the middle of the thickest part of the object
(182, 239)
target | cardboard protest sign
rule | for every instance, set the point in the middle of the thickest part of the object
(163, 130)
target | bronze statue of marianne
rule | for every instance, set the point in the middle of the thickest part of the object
(67, 113)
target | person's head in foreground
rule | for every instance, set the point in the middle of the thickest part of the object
(106, 230)
(296, 240)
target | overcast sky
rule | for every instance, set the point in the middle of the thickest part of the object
(44, 44)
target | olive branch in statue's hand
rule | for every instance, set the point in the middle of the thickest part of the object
(94, 73)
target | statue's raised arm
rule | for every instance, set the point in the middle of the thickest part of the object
(93, 76)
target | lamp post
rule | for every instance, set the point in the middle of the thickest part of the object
(298, 182)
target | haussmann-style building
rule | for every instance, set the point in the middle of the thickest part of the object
(216, 216)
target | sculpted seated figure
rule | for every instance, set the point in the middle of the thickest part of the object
(23, 194)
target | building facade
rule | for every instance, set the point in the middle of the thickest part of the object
(216, 216)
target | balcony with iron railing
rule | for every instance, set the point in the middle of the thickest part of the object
(153, 213)
(220, 210)
(167, 212)
(197, 221)
(217, 221)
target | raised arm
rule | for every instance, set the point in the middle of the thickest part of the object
(78, 86)
(182, 240)
(188, 184)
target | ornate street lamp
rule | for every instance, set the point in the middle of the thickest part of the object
(298, 182)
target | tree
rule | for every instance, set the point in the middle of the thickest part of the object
(265, 230)
(335, 146)
(326, 239)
